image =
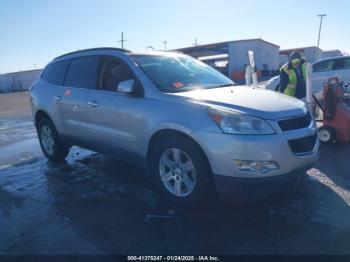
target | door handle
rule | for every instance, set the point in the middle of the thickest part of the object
(57, 98)
(92, 104)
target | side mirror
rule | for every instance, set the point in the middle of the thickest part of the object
(126, 86)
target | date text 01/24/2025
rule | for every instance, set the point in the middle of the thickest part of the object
(173, 258)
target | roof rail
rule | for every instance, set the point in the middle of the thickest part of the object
(95, 49)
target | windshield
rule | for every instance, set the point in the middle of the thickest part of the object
(180, 73)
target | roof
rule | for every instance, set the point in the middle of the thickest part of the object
(332, 58)
(333, 50)
(21, 71)
(95, 49)
(224, 43)
(288, 51)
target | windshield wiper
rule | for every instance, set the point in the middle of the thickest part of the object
(226, 85)
(218, 86)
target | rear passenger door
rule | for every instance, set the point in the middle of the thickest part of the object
(79, 80)
(54, 75)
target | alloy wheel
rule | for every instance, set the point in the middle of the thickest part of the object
(47, 140)
(177, 172)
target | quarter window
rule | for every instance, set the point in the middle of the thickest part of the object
(82, 72)
(54, 73)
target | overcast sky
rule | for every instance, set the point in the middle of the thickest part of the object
(35, 31)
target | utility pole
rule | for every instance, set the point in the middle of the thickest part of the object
(122, 40)
(165, 42)
(319, 31)
(195, 42)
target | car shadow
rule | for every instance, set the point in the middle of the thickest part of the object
(114, 206)
(334, 162)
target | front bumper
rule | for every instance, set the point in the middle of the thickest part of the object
(242, 190)
(222, 149)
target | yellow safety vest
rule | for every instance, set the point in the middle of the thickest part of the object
(293, 80)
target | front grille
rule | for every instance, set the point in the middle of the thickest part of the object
(295, 123)
(303, 145)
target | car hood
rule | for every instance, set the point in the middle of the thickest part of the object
(253, 101)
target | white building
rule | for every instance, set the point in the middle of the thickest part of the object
(311, 53)
(18, 81)
(331, 53)
(235, 53)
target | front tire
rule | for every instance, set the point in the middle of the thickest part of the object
(326, 134)
(51, 145)
(180, 170)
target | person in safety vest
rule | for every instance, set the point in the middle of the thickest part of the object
(293, 76)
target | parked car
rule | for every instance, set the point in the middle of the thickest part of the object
(193, 130)
(330, 67)
(272, 84)
(322, 70)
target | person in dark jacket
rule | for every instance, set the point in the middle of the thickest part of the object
(293, 76)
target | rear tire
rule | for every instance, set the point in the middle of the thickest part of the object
(180, 170)
(51, 145)
(326, 134)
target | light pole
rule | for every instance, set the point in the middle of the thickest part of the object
(319, 31)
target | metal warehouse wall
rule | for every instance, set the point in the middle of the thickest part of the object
(18, 81)
(313, 54)
(331, 53)
(264, 53)
(283, 59)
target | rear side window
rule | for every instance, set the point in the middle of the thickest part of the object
(347, 63)
(55, 73)
(323, 66)
(82, 72)
(341, 64)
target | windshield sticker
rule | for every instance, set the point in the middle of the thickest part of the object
(68, 92)
(178, 84)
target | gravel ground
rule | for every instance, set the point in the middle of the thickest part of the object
(94, 204)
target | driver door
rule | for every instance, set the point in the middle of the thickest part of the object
(116, 119)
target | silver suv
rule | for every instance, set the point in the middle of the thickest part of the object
(193, 129)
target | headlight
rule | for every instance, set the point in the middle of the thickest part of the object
(236, 123)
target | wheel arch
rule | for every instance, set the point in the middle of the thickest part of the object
(172, 132)
(40, 114)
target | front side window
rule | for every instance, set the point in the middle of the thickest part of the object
(112, 72)
(54, 73)
(82, 72)
(179, 73)
(323, 66)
